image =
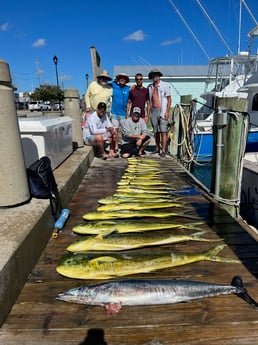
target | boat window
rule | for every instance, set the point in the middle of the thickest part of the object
(255, 102)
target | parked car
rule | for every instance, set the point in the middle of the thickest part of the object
(39, 106)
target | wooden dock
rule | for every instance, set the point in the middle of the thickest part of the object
(38, 318)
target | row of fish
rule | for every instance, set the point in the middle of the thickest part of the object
(139, 195)
(118, 235)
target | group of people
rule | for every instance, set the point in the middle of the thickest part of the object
(131, 109)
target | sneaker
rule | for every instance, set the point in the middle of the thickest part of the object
(162, 155)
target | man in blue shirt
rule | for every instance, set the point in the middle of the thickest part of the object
(119, 101)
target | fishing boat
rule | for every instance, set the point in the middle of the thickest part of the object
(228, 77)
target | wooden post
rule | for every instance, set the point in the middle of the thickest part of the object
(234, 136)
(72, 109)
(179, 143)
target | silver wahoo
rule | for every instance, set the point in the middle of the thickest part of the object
(113, 295)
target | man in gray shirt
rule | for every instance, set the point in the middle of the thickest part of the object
(134, 135)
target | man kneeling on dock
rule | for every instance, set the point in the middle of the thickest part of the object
(98, 130)
(134, 135)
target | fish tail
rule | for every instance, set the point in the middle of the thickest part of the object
(212, 255)
(182, 214)
(238, 283)
(197, 236)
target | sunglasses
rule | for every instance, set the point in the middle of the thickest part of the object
(138, 79)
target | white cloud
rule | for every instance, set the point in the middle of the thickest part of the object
(171, 42)
(4, 27)
(138, 35)
(41, 42)
(65, 77)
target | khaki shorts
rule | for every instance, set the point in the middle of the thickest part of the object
(158, 123)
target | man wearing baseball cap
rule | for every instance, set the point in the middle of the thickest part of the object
(98, 129)
(135, 136)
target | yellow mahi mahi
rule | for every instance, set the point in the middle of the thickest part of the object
(138, 206)
(132, 241)
(133, 214)
(147, 195)
(82, 266)
(119, 200)
(142, 183)
(141, 190)
(95, 228)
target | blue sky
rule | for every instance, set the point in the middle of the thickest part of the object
(135, 32)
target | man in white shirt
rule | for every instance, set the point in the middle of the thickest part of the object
(160, 100)
(98, 129)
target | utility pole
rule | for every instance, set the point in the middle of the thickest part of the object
(38, 71)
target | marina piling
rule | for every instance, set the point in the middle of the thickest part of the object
(72, 109)
(13, 181)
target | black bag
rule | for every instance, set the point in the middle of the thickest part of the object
(43, 185)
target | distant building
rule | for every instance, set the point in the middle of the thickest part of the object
(185, 80)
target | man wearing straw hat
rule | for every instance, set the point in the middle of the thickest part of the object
(98, 91)
(160, 100)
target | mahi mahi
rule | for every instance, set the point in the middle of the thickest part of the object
(115, 294)
(139, 206)
(152, 182)
(95, 228)
(134, 214)
(119, 200)
(132, 241)
(131, 190)
(82, 266)
(142, 194)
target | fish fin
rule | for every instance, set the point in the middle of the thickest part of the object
(103, 259)
(104, 233)
(238, 283)
(106, 222)
(212, 255)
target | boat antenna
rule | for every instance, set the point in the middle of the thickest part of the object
(239, 26)
(188, 27)
(213, 24)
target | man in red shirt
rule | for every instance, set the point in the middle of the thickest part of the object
(139, 97)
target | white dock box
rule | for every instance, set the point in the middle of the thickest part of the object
(46, 136)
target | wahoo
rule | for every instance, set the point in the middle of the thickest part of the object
(82, 266)
(132, 241)
(114, 295)
(95, 228)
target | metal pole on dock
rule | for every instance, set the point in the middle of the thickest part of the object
(72, 109)
(13, 178)
(220, 120)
